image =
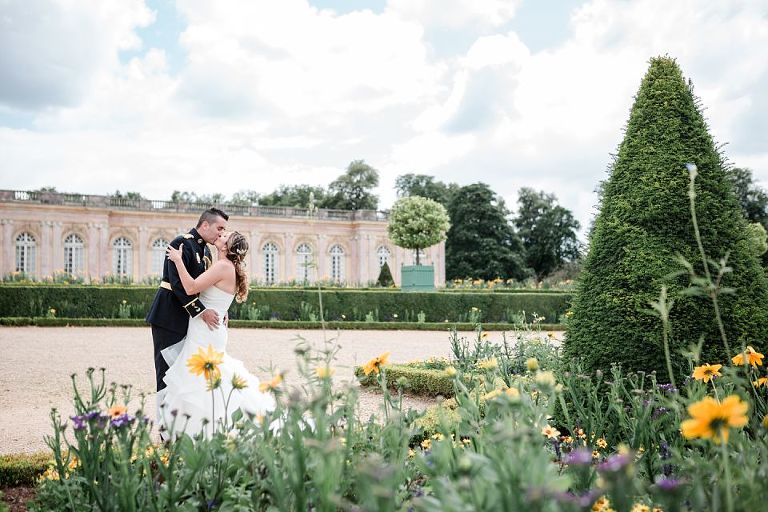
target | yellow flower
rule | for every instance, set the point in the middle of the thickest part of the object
(595, 454)
(545, 379)
(205, 362)
(450, 371)
(426, 444)
(437, 436)
(488, 364)
(550, 432)
(411, 453)
(375, 364)
(707, 372)
(752, 357)
(214, 382)
(512, 393)
(602, 443)
(271, 385)
(116, 411)
(491, 395)
(532, 364)
(639, 507)
(324, 372)
(239, 382)
(762, 381)
(601, 505)
(711, 419)
(567, 440)
(765, 421)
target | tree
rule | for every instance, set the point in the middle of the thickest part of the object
(481, 242)
(424, 186)
(644, 223)
(296, 196)
(417, 223)
(245, 198)
(385, 279)
(352, 190)
(131, 196)
(753, 199)
(547, 230)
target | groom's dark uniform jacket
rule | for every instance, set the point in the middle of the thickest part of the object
(172, 308)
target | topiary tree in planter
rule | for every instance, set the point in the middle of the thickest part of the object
(645, 222)
(417, 223)
(385, 278)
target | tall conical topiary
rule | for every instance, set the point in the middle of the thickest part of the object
(645, 222)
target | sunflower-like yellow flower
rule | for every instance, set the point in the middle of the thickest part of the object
(451, 371)
(711, 419)
(375, 364)
(707, 372)
(205, 362)
(488, 364)
(602, 443)
(532, 364)
(272, 384)
(750, 356)
(116, 411)
(550, 432)
(512, 393)
(324, 372)
(238, 382)
(762, 381)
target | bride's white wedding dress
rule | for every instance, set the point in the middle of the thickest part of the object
(187, 395)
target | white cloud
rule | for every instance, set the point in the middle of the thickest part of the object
(51, 50)
(281, 92)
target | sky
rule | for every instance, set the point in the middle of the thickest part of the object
(220, 96)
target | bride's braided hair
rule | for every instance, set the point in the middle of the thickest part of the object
(237, 248)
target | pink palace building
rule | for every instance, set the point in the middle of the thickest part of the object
(98, 237)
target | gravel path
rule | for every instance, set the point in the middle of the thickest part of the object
(36, 365)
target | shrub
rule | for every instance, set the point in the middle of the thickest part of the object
(645, 222)
(284, 304)
(385, 279)
(421, 381)
(22, 469)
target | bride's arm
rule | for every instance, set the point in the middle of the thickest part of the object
(192, 286)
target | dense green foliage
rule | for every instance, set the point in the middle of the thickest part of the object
(547, 230)
(353, 190)
(418, 381)
(417, 223)
(481, 242)
(385, 279)
(645, 222)
(296, 196)
(22, 469)
(290, 304)
(425, 186)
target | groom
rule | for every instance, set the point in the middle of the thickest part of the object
(172, 308)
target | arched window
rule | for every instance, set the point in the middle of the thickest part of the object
(337, 263)
(383, 254)
(158, 256)
(270, 262)
(304, 263)
(122, 257)
(74, 255)
(26, 246)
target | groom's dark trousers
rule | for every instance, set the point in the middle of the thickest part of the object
(172, 308)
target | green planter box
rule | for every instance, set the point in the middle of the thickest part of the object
(417, 278)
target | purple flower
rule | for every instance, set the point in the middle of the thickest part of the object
(121, 421)
(659, 412)
(580, 500)
(92, 415)
(615, 463)
(667, 388)
(580, 457)
(668, 484)
(77, 422)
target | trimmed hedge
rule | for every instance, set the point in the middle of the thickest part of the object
(22, 469)
(270, 324)
(645, 225)
(88, 301)
(421, 381)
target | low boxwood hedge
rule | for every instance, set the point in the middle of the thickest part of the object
(22, 469)
(89, 301)
(270, 324)
(421, 381)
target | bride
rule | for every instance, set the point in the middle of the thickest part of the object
(199, 362)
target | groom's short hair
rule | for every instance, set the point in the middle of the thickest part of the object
(210, 215)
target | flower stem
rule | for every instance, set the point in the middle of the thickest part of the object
(728, 489)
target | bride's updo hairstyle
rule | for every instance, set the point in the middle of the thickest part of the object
(237, 248)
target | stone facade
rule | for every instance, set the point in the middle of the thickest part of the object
(42, 233)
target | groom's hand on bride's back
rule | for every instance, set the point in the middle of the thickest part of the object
(211, 318)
